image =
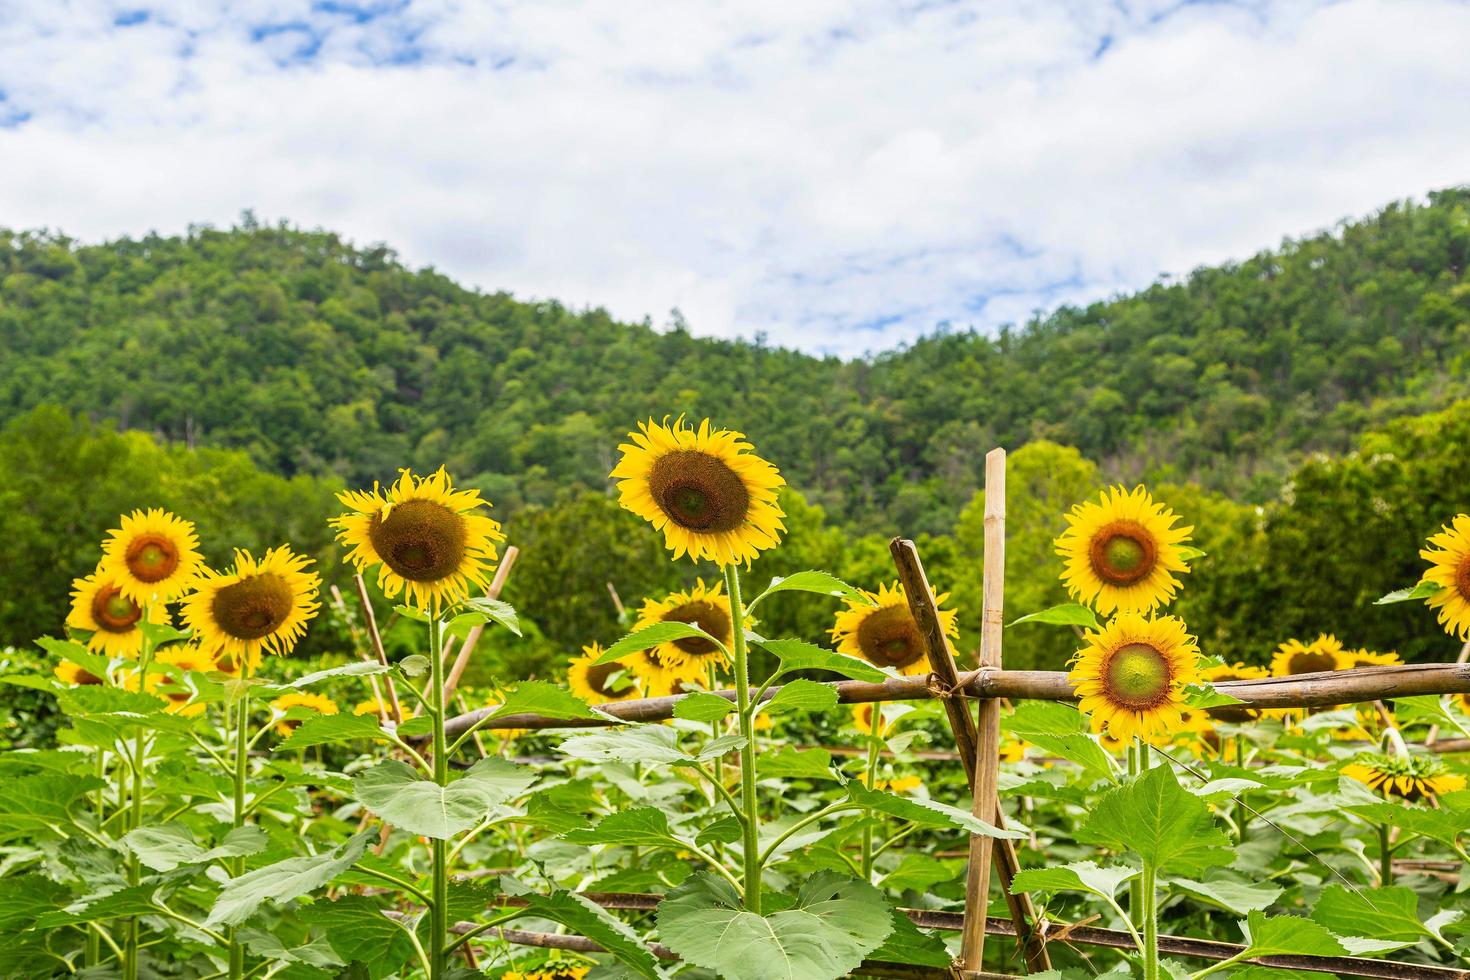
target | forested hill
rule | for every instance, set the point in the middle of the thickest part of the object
(318, 357)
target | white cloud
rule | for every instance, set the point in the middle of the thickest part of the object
(840, 175)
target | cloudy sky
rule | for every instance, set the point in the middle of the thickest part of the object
(839, 175)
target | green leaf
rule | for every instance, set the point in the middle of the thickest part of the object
(651, 636)
(40, 802)
(414, 665)
(358, 668)
(411, 612)
(1187, 553)
(925, 812)
(397, 793)
(833, 924)
(285, 880)
(1231, 895)
(1288, 935)
(1390, 913)
(95, 699)
(123, 903)
(543, 698)
(642, 827)
(789, 762)
(26, 896)
(803, 695)
(644, 743)
(584, 918)
(1445, 825)
(1202, 696)
(907, 945)
(496, 611)
(158, 634)
(1060, 730)
(1066, 614)
(821, 583)
(1083, 877)
(801, 655)
(1164, 824)
(1423, 590)
(331, 729)
(702, 706)
(360, 932)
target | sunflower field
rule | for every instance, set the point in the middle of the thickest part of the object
(699, 799)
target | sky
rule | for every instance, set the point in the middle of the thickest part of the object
(839, 176)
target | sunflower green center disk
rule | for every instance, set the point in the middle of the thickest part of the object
(115, 613)
(1138, 676)
(151, 558)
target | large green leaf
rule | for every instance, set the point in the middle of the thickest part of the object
(1066, 614)
(907, 945)
(1421, 591)
(39, 802)
(360, 932)
(1164, 824)
(802, 695)
(169, 846)
(285, 880)
(644, 743)
(1061, 730)
(543, 698)
(702, 706)
(927, 812)
(1231, 894)
(1445, 825)
(95, 699)
(801, 655)
(821, 583)
(641, 827)
(331, 729)
(119, 904)
(1288, 935)
(584, 918)
(358, 668)
(651, 636)
(832, 925)
(23, 897)
(790, 762)
(1082, 877)
(397, 793)
(491, 610)
(1390, 914)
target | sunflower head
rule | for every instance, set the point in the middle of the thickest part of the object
(600, 683)
(710, 495)
(1130, 677)
(427, 538)
(98, 605)
(187, 657)
(151, 556)
(1295, 657)
(381, 708)
(305, 703)
(1235, 714)
(556, 972)
(659, 678)
(1368, 658)
(863, 719)
(1409, 777)
(256, 606)
(882, 631)
(177, 695)
(1122, 552)
(75, 674)
(1448, 554)
(707, 608)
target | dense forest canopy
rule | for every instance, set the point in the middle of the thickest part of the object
(241, 376)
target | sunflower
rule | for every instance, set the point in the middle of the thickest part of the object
(1368, 658)
(381, 708)
(177, 695)
(1130, 677)
(1235, 714)
(709, 494)
(707, 608)
(660, 678)
(75, 674)
(231, 664)
(551, 973)
(1295, 657)
(594, 682)
(99, 605)
(1450, 568)
(1012, 750)
(281, 706)
(1409, 777)
(152, 557)
(882, 631)
(1122, 552)
(187, 657)
(423, 535)
(257, 606)
(862, 719)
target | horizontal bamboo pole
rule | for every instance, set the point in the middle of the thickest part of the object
(1205, 949)
(1322, 689)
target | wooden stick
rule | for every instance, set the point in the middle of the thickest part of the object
(357, 648)
(468, 647)
(946, 678)
(371, 619)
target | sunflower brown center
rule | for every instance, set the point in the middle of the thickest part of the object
(1462, 577)
(151, 558)
(81, 677)
(114, 612)
(1122, 553)
(1138, 677)
(420, 540)
(598, 676)
(253, 607)
(708, 617)
(1310, 662)
(698, 491)
(888, 637)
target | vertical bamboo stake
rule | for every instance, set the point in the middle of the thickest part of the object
(371, 619)
(987, 742)
(473, 637)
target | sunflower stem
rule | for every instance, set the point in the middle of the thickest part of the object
(872, 770)
(751, 835)
(1149, 880)
(1385, 857)
(1135, 887)
(241, 762)
(439, 908)
(135, 804)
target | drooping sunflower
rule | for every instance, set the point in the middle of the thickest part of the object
(1122, 552)
(1130, 677)
(1450, 568)
(707, 608)
(660, 678)
(884, 633)
(99, 605)
(305, 704)
(1235, 714)
(594, 682)
(706, 490)
(425, 537)
(152, 556)
(1409, 777)
(1295, 657)
(75, 674)
(1368, 658)
(258, 606)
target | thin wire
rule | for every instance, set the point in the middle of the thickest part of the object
(1276, 826)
